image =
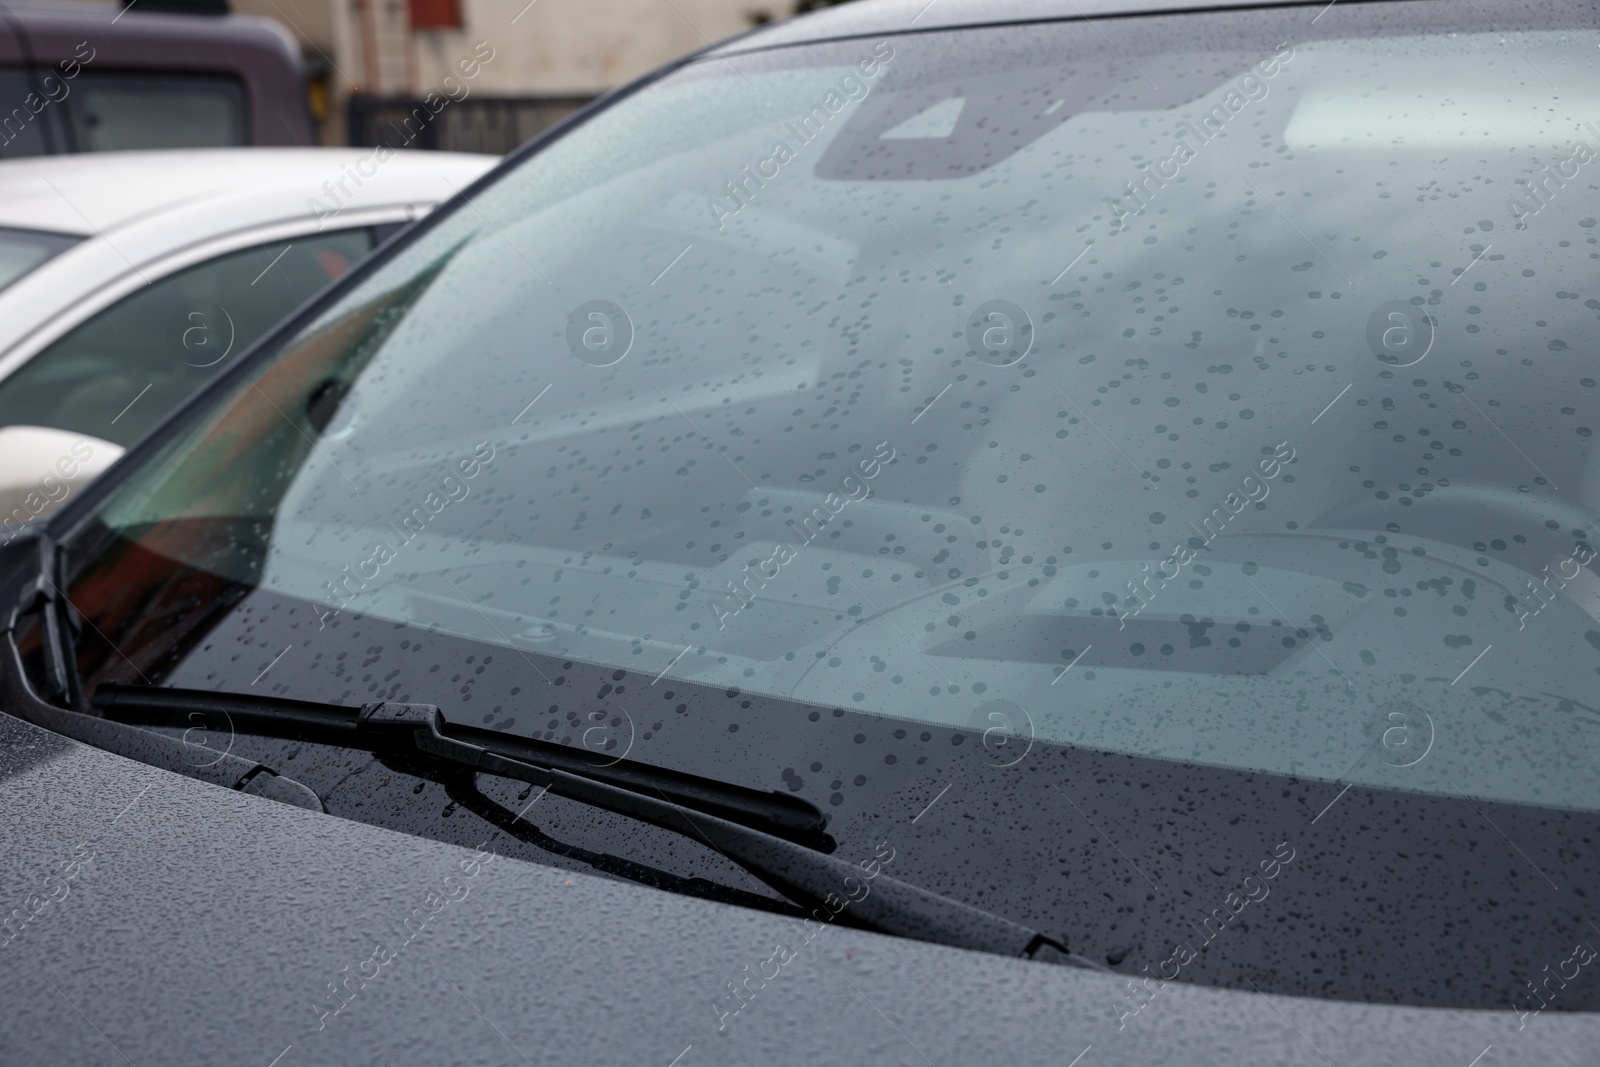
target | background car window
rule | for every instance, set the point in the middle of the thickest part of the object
(115, 375)
(111, 110)
(23, 250)
(21, 131)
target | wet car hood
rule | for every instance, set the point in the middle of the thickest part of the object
(151, 918)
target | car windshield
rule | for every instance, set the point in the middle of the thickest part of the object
(23, 250)
(1205, 389)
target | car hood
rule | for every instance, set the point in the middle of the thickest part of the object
(152, 918)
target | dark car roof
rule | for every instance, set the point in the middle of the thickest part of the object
(258, 51)
(866, 17)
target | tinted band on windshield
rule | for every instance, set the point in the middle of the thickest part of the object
(1181, 439)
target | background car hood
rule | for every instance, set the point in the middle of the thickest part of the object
(150, 918)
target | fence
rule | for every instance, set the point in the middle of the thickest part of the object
(477, 124)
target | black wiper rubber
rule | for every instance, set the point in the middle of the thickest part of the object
(782, 814)
(808, 877)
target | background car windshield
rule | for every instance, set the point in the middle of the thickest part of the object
(1211, 396)
(23, 250)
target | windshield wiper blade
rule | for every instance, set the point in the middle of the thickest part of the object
(812, 879)
(779, 813)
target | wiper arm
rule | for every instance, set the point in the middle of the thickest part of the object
(461, 785)
(336, 724)
(45, 596)
(57, 620)
(803, 875)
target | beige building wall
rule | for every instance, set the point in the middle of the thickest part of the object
(548, 46)
(583, 46)
(543, 47)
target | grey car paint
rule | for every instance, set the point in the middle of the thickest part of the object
(202, 926)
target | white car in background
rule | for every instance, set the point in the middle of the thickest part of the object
(127, 281)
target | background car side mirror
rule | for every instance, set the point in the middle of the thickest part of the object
(40, 467)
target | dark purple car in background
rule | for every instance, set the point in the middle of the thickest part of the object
(78, 78)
